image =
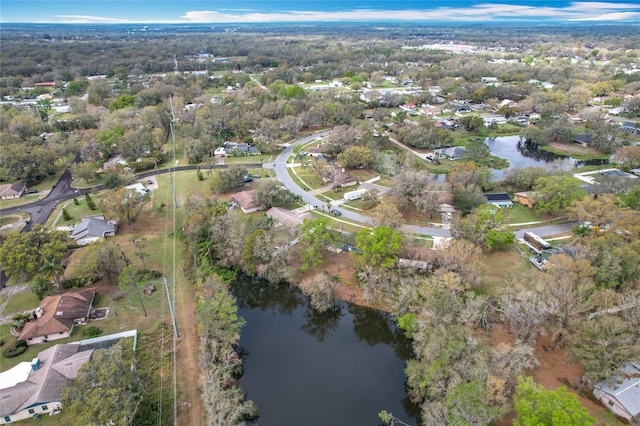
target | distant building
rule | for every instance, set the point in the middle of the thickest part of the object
(621, 393)
(582, 139)
(630, 127)
(236, 149)
(451, 153)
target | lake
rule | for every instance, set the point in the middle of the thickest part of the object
(523, 154)
(302, 367)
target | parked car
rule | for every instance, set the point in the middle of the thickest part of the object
(256, 176)
(335, 212)
(248, 179)
(539, 262)
(31, 191)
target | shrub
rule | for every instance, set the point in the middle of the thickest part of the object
(91, 332)
(15, 349)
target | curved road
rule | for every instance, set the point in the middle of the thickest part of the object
(280, 168)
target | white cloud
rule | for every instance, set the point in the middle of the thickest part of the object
(576, 11)
(480, 12)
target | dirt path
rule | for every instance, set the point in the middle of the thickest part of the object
(190, 410)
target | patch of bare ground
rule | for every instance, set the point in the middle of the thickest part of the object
(556, 369)
(573, 148)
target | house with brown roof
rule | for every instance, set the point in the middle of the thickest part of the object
(288, 218)
(246, 200)
(342, 179)
(57, 315)
(525, 198)
(12, 190)
(31, 389)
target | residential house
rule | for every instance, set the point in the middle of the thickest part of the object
(522, 120)
(500, 199)
(288, 218)
(582, 139)
(490, 119)
(236, 149)
(452, 153)
(370, 96)
(12, 190)
(57, 315)
(31, 389)
(246, 200)
(525, 198)
(344, 179)
(630, 127)
(621, 393)
(92, 229)
(138, 187)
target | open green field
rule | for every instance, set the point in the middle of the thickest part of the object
(305, 177)
(498, 268)
(20, 302)
(521, 214)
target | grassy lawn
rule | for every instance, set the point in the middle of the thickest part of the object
(77, 212)
(308, 176)
(248, 159)
(521, 214)
(20, 302)
(82, 184)
(497, 268)
(5, 220)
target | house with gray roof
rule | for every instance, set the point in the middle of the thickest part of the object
(12, 190)
(500, 199)
(92, 229)
(452, 153)
(621, 393)
(31, 389)
(236, 149)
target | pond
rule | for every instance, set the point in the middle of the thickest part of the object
(302, 367)
(523, 154)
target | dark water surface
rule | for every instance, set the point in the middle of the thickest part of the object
(304, 368)
(523, 154)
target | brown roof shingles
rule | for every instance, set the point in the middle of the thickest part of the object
(59, 312)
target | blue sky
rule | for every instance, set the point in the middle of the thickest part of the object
(241, 11)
